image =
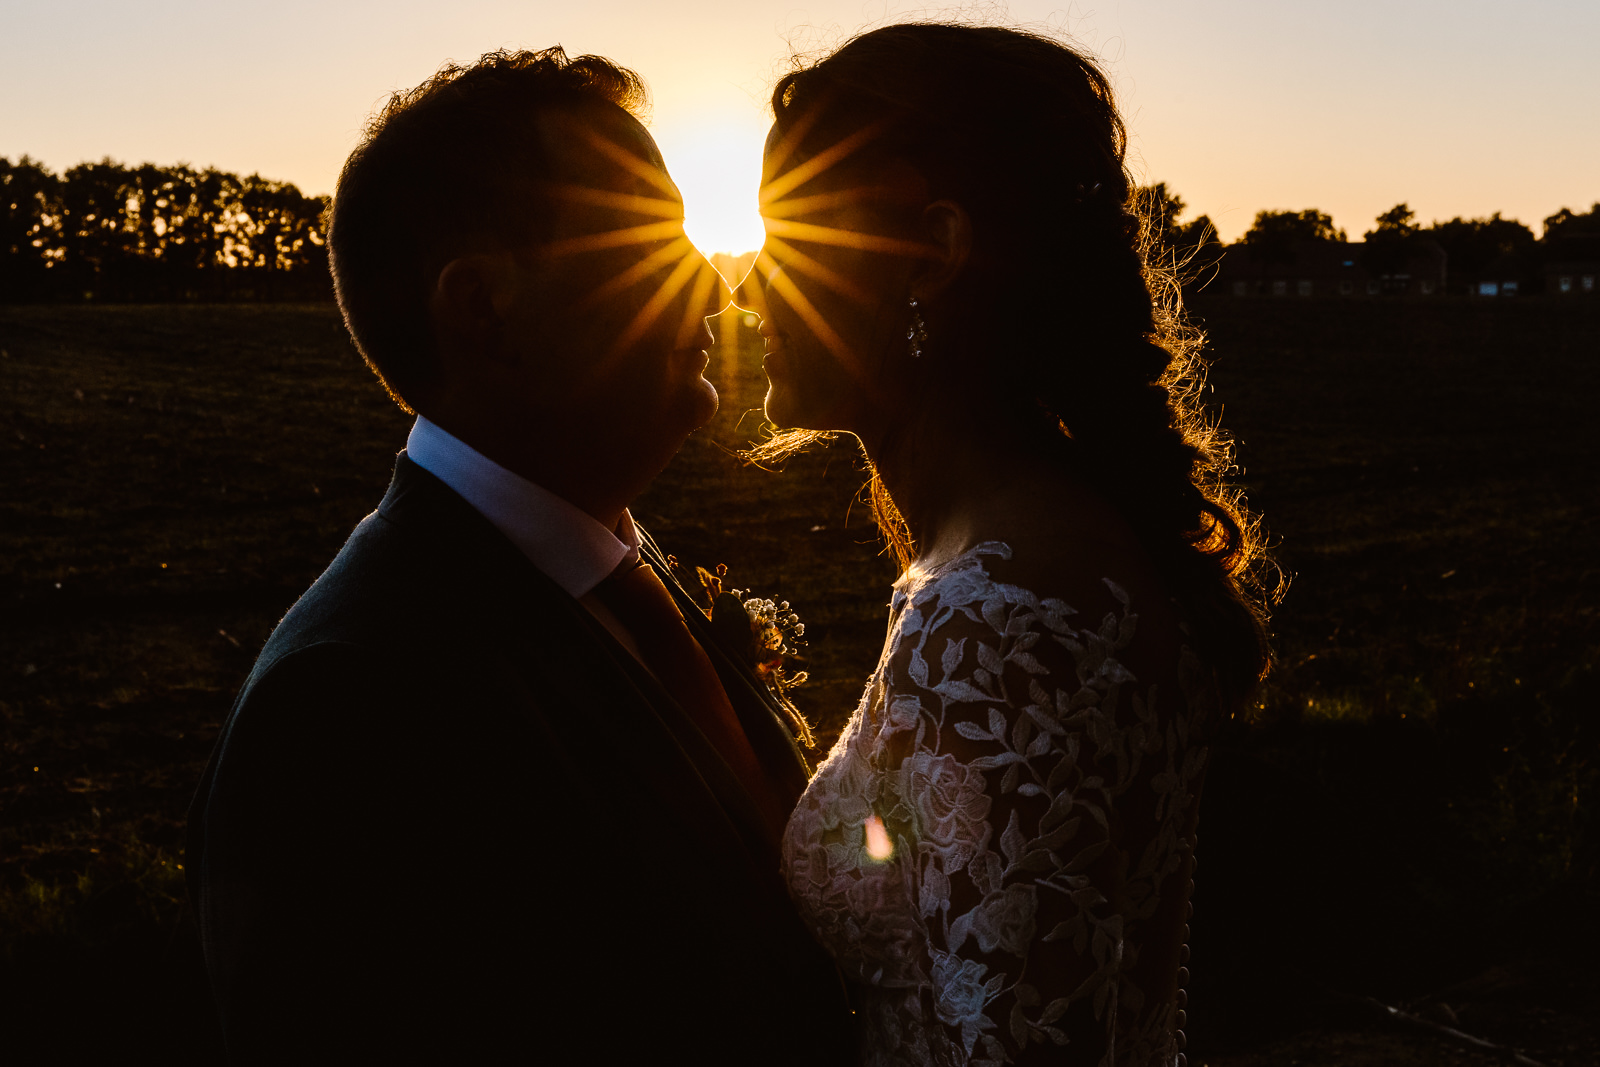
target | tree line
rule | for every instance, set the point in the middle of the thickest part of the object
(106, 232)
(1474, 247)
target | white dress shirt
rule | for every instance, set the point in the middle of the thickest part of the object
(570, 546)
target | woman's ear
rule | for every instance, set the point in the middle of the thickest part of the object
(947, 228)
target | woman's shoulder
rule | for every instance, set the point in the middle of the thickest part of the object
(1085, 576)
(1071, 589)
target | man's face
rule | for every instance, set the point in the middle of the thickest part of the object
(611, 311)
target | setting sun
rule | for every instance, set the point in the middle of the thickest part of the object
(716, 161)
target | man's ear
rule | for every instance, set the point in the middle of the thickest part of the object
(947, 229)
(471, 300)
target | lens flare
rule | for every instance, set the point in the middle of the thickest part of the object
(627, 235)
(785, 287)
(658, 303)
(793, 258)
(694, 313)
(643, 205)
(804, 172)
(833, 235)
(804, 205)
(630, 162)
(658, 260)
(879, 847)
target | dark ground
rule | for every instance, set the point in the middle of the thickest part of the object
(1410, 819)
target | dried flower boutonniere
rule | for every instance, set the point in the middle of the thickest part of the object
(763, 634)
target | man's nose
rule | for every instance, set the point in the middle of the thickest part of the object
(721, 293)
(703, 295)
(709, 288)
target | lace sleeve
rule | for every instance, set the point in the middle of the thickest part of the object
(1012, 743)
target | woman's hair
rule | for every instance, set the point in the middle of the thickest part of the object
(1074, 308)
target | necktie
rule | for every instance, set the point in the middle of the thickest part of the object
(641, 602)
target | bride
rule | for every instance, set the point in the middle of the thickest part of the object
(998, 851)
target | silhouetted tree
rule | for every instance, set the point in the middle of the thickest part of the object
(1387, 248)
(1275, 233)
(178, 220)
(96, 242)
(1473, 244)
(278, 231)
(1307, 225)
(1567, 223)
(29, 216)
(1399, 219)
(106, 232)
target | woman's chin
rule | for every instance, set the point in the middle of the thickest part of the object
(781, 410)
(797, 409)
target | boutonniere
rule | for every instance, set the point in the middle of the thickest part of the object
(764, 634)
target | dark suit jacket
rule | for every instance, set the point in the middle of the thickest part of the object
(451, 819)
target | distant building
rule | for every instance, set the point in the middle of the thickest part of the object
(1504, 276)
(1328, 269)
(1567, 278)
(1572, 266)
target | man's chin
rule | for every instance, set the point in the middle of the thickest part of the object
(702, 402)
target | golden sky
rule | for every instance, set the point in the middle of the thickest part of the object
(1458, 108)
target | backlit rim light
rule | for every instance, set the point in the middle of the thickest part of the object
(676, 257)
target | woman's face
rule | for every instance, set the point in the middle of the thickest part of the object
(832, 286)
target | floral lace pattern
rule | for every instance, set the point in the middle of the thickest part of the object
(997, 849)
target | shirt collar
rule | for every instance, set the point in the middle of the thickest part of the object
(567, 544)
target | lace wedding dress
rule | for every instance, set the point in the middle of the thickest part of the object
(997, 850)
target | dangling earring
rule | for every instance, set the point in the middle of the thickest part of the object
(917, 332)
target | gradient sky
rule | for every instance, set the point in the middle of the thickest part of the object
(1463, 107)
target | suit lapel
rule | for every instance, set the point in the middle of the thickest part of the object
(765, 724)
(552, 628)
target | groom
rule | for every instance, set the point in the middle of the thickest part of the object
(492, 793)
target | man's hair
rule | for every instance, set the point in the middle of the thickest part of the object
(452, 166)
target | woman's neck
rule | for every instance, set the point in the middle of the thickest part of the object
(944, 467)
(961, 480)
